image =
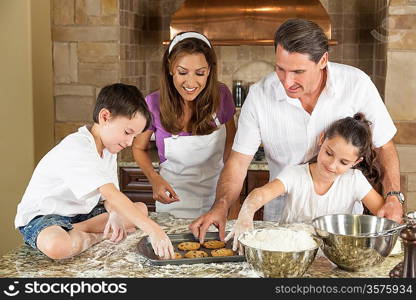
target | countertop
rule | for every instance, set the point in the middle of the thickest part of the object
(107, 259)
(254, 165)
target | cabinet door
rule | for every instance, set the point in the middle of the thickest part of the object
(256, 179)
(135, 185)
(235, 208)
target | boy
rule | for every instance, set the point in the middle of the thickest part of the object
(72, 201)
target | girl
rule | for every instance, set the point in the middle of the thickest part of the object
(193, 125)
(334, 182)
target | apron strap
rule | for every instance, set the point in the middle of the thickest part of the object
(217, 122)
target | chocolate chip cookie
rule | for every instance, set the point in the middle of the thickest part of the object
(196, 254)
(214, 244)
(222, 252)
(189, 246)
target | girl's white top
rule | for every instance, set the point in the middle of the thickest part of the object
(303, 204)
(280, 239)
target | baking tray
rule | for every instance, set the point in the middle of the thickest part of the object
(145, 248)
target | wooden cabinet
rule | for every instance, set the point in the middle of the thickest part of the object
(256, 179)
(135, 185)
(253, 180)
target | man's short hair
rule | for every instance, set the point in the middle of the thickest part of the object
(122, 100)
(302, 36)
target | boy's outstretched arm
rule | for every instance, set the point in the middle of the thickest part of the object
(124, 206)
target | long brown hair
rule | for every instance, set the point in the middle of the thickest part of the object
(356, 131)
(204, 105)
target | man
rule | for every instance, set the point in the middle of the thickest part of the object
(288, 109)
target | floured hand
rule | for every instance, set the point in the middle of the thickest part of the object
(116, 226)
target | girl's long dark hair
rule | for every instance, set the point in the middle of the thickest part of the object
(356, 131)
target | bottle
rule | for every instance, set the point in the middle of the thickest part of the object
(238, 93)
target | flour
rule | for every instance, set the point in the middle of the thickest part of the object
(279, 239)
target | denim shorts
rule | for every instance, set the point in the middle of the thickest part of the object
(31, 231)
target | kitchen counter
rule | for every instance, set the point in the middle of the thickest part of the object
(121, 260)
(254, 165)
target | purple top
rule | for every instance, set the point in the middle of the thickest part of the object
(225, 112)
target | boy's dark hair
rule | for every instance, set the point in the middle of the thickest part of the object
(122, 100)
(356, 131)
(302, 36)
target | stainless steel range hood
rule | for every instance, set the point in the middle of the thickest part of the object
(245, 22)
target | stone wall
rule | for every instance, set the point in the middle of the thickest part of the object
(86, 57)
(401, 88)
(97, 42)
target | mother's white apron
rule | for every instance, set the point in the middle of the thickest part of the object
(192, 167)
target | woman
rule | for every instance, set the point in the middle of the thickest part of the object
(193, 125)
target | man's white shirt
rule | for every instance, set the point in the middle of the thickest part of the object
(290, 134)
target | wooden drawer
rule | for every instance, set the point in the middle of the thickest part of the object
(135, 185)
(133, 179)
(146, 198)
(256, 179)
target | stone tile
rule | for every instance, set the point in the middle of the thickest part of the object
(402, 10)
(402, 39)
(350, 51)
(93, 7)
(337, 21)
(243, 52)
(368, 6)
(366, 51)
(335, 6)
(62, 129)
(404, 182)
(402, 22)
(81, 16)
(350, 36)
(63, 12)
(65, 62)
(335, 53)
(351, 21)
(229, 53)
(350, 6)
(99, 74)
(401, 69)
(398, 2)
(86, 34)
(153, 83)
(109, 7)
(411, 185)
(154, 68)
(74, 108)
(258, 52)
(103, 20)
(407, 159)
(98, 52)
(366, 65)
(73, 90)
(229, 67)
(411, 201)
(406, 133)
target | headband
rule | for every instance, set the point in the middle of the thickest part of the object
(186, 35)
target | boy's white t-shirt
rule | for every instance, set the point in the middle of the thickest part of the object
(66, 180)
(303, 204)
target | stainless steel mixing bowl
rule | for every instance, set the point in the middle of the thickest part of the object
(343, 245)
(275, 264)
